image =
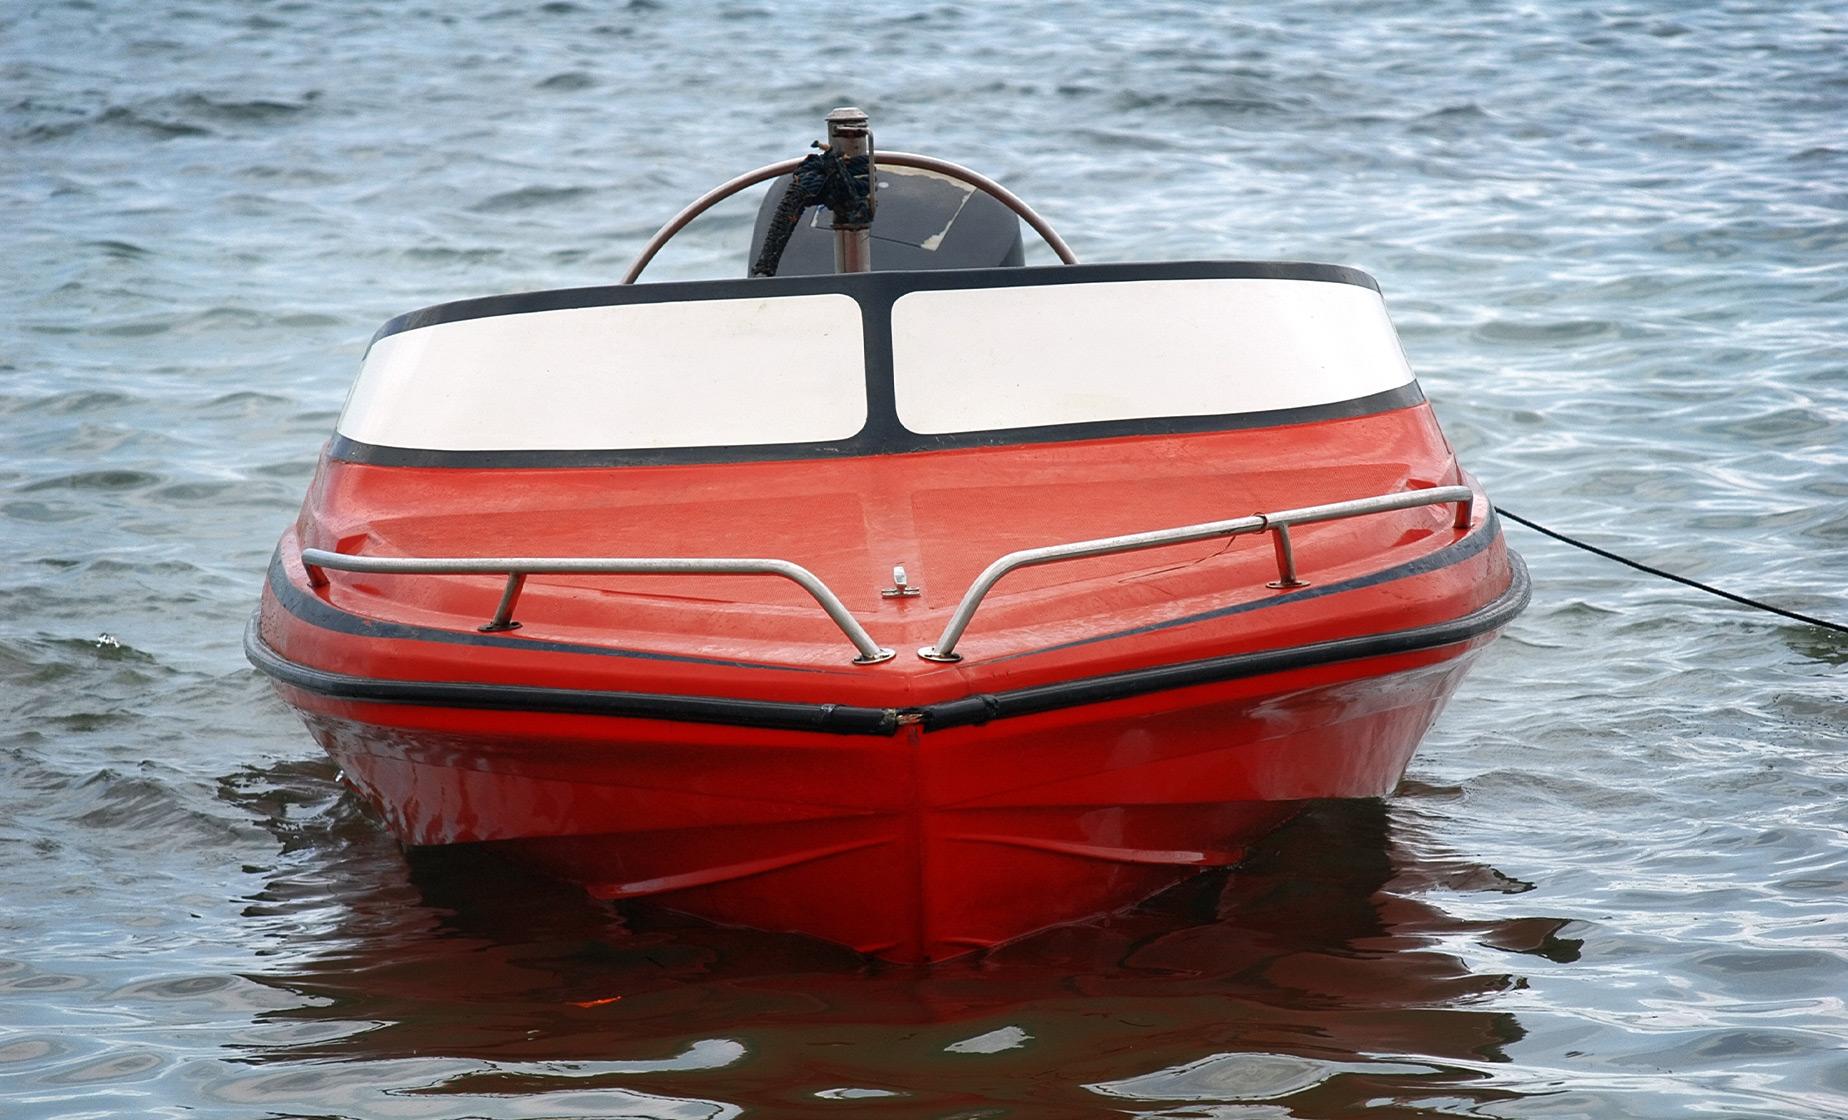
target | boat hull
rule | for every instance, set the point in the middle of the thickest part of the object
(914, 847)
(1049, 656)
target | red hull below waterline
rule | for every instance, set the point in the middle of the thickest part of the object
(921, 682)
(913, 848)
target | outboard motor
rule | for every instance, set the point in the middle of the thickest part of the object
(924, 220)
(851, 208)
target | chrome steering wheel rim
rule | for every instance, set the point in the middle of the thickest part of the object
(768, 171)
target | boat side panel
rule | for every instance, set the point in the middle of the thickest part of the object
(1011, 826)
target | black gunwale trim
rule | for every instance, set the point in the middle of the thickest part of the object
(326, 616)
(833, 718)
(983, 707)
(880, 287)
(852, 720)
(872, 440)
(1455, 552)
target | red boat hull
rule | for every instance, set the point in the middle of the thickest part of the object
(1113, 729)
(912, 848)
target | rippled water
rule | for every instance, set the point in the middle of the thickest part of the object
(1614, 237)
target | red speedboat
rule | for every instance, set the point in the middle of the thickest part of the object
(913, 608)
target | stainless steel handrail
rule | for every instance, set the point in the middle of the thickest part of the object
(732, 186)
(517, 568)
(1278, 523)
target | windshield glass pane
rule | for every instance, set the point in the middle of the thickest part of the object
(992, 358)
(706, 373)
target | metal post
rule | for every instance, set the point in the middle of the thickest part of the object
(850, 136)
(1286, 560)
(503, 614)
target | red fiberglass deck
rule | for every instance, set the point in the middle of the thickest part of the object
(1112, 722)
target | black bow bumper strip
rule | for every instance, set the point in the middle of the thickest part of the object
(838, 719)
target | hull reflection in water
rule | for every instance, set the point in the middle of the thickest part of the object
(1317, 978)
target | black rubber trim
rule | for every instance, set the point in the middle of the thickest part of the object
(1456, 552)
(983, 707)
(877, 287)
(835, 719)
(847, 720)
(315, 612)
(874, 439)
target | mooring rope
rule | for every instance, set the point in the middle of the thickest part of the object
(842, 185)
(1641, 567)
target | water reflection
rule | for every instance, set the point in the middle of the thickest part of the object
(1318, 977)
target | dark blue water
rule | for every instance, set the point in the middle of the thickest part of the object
(1615, 238)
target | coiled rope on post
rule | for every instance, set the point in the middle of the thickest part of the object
(1696, 584)
(840, 184)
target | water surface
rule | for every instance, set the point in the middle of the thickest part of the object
(1614, 239)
